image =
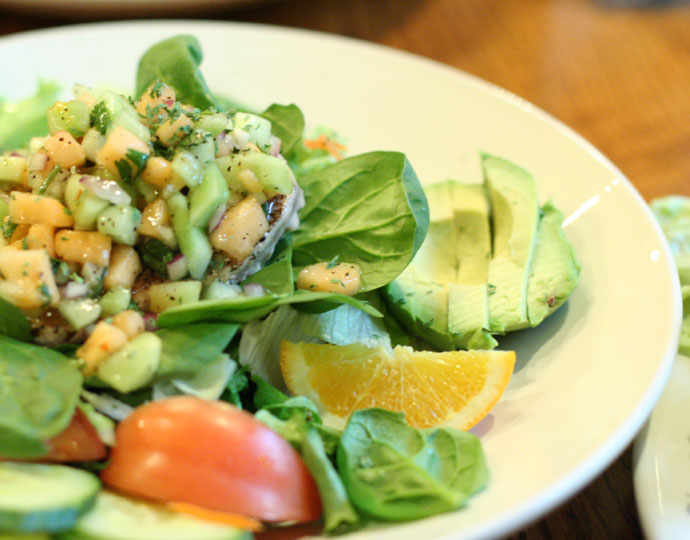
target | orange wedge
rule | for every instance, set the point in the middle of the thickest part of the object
(454, 389)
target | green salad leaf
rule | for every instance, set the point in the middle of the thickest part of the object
(276, 275)
(175, 61)
(21, 120)
(242, 309)
(13, 322)
(39, 391)
(287, 123)
(189, 348)
(369, 210)
(395, 472)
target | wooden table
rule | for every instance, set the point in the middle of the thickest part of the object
(618, 74)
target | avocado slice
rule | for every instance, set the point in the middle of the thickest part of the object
(442, 296)
(555, 269)
(515, 215)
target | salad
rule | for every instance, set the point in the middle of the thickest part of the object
(165, 258)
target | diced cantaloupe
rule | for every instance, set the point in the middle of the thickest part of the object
(27, 209)
(130, 322)
(124, 267)
(64, 150)
(119, 144)
(241, 229)
(41, 236)
(83, 246)
(28, 280)
(104, 340)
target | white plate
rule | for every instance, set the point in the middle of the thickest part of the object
(662, 461)
(587, 378)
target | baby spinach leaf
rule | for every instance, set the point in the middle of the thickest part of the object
(187, 348)
(175, 61)
(39, 390)
(242, 309)
(13, 322)
(276, 276)
(287, 123)
(338, 513)
(395, 472)
(369, 210)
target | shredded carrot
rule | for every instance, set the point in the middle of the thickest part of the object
(233, 520)
(322, 142)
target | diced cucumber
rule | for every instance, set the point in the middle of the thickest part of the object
(41, 497)
(205, 198)
(148, 191)
(174, 293)
(257, 127)
(186, 168)
(134, 365)
(4, 209)
(121, 113)
(272, 173)
(72, 117)
(120, 221)
(225, 165)
(115, 517)
(217, 290)
(79, 312)
(194, 244)
(213, 123)
(92, 143)
(12, 169)
(202, 146)
(83, 204)
(115, 300)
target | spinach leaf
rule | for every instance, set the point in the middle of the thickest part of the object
(39, 390)
(238, 383)
(21, 120)
(338, 513)
(297, 420)
(287, 123)
(189, 347)
(242, 309)
(13, 322)
(276, 276)
(395, 472)
(368, 210)
(175, 61)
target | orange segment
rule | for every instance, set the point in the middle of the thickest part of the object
(455, 388)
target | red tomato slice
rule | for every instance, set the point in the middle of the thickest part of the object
(78, 442)
(214, 455)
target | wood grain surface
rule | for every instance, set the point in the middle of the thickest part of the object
(616, 72)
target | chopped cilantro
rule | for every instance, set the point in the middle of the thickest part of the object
(51, 176)
(333, 263)
(124, 169)
(8, 228)
(100, 117)
(138, 158)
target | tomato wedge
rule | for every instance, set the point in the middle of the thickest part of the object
(78, 442)
(214, 455)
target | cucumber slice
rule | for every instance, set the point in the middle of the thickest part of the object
(79, 312)
(83, 204)
(39, 497)
(134, 365)
(193, 241)
(115, 517)
(115, 300)
(205, 198)
(120, 222)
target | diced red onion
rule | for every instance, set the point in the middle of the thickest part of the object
(37, 161)
(216, 218)
(177, 268)
(224, 145)
(275, 145)
(75, 289)
(150, 322)
(254, 289)
(108, 190)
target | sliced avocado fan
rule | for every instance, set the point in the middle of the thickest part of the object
(492, 262)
